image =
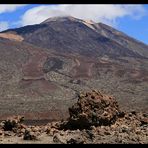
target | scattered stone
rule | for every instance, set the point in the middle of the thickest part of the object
(90, 134)
(58, 139)
(35, 129)
(124, 129)
(77, 140)
(133, 112)
(48, 130)
(144, 121)
(28, 135)
(121, 114)
(107, 132)
(1, 132)
(8, 133)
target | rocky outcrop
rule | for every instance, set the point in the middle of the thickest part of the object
(93, 108)
(11, 123)
(30, 135)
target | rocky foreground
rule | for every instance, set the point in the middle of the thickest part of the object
(94, 119)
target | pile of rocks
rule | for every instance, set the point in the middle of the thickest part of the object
(11, 123)
(14, 127)
(93, 109)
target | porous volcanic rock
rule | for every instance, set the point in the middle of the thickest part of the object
(29, 135)
(11, 123)
(93, 108)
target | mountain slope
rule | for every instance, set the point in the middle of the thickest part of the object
(68, 34)
(122, 39)
(44, 66)
(24, 88)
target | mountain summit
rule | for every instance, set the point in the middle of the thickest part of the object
(72, 35)
(62, 19)
(44, 66)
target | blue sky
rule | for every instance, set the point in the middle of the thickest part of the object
(130, 19)
(135, 28)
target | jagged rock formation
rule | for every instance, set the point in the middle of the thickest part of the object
(11, 123)
(93, 109)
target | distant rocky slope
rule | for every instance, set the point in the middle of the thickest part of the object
(44, 66)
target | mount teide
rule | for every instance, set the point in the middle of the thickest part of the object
(43, 67)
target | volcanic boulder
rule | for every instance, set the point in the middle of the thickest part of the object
(13, 122)
(29, 135)
(93, 109)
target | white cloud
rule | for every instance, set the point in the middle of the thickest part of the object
(4, 26)
(9, 8)
(97, 12)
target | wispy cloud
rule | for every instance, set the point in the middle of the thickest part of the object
(4, 8)
(97, 12)
(4, 26)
